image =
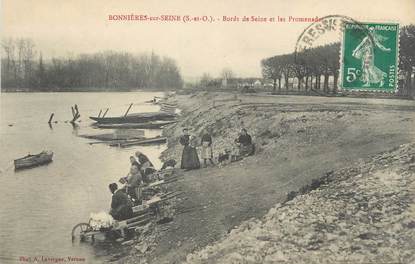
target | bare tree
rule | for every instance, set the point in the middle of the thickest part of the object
(272, 70)
(9, 69)
(227, 74)
(407, 59)
(205, 80)
(28, 61)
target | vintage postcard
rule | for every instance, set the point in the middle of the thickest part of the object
(210, 131)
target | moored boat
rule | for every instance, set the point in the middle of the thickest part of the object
(30, 161)
(148, 141)
(135, 118)
(146, 125)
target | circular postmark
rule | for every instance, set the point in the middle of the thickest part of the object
(369, 53)
(328, 24)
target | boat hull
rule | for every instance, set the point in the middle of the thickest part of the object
(137, 118)
(31, 161)
(147, 125)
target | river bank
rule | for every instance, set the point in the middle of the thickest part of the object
(360, 214)
(299, 139)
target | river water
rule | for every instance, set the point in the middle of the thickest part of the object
(40, 206)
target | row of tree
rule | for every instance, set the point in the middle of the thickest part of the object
(307, 66)
(310, 66)
(23, 68)
(407, 59)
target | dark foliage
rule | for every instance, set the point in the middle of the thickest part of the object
(23, 69)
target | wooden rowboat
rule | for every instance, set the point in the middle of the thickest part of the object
(30, 161)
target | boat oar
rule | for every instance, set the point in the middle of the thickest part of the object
(128, 110)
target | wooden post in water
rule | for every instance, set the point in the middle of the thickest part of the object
(128, 110)
(75, 113)
(105, 112)
(50, 118)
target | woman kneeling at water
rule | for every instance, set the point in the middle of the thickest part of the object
(134, 182)
(146, 166)
(121, 205)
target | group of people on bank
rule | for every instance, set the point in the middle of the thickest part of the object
(190, 159)
(142, 169)
(124, 199)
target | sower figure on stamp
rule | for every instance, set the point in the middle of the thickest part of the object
(365, 52)
(206, 152)
(190, 160)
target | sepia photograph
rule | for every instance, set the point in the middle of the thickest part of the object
(208, 131)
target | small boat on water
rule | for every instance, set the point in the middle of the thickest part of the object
(135, 118)
(30, 161)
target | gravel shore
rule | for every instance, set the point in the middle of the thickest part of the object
(362, 214)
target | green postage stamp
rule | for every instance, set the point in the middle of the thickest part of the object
(369, 60)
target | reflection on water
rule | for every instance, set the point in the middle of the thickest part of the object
(41, 205)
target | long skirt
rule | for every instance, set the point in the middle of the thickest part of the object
(246, 150)
(206, 152)
(190, 160)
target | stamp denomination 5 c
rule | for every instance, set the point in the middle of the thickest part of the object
(369, 58)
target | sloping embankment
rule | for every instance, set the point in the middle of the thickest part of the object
(363, 214)
(298, 139)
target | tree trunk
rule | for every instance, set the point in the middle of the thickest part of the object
(336, 76)
(274, 89)
(408, 84)
(279, 84)
(306, 83)
(319, 82)
(326, 82)
(286, 83)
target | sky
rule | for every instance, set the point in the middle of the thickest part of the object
(70, 27)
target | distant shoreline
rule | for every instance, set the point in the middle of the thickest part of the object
(86, 91)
